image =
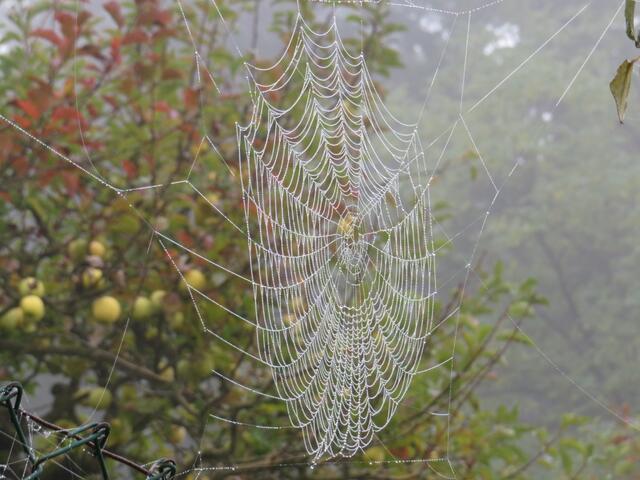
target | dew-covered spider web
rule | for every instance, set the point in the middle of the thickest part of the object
(336, 185)
(342, 249)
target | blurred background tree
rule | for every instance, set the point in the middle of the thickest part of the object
(96, 322)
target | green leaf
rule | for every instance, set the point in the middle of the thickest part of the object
(620, 86)
(520, 310)
(567, 461)
(515, 337)
(571, 420)
(125, 224)
(629, 15)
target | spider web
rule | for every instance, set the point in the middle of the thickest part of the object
(343, 260)
(340, 233)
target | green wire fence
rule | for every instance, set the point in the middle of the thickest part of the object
(92, 436)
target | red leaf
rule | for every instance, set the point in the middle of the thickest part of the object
(50, 35)
(24, 122)
(89, 82)
(91, 50)
(164, 33)
(401, 452)
(171, 253)
(46, 177)
(162, 17)
(618, 439)
(162, 106)
(190, 97)
(69, 113)
(5, 196)
(28, 107)
(71, 182)
(41, 95)
(184, 238)
(115, 50)
(65, 19)
(114, 10)
(83, 16)
(67, 25)
(111, 101)
(229, 96)
(130, 169)
(64, 113)
(135, 36)
(6, 144)
(171, 74)
(92, 110)
(20, 165)
(150, 161)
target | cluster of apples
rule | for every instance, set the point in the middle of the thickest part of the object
(31, 308)
(144, 307)
(105, 309)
